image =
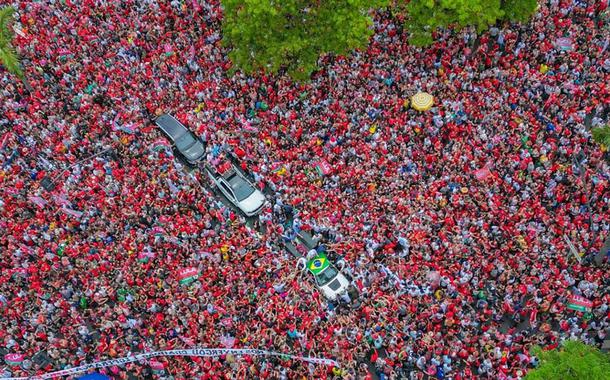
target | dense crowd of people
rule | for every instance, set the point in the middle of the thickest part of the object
(455, 223)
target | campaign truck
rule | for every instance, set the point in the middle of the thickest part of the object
(328, 278)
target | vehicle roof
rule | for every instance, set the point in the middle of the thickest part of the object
(170, 125)
(319, 254)
(230, 173)
(235, 180)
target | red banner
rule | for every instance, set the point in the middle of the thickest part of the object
(581, 301)
(323, 167)
(187, 272)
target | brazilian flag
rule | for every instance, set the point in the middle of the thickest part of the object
(318, 264)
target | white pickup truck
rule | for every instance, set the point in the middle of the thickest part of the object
(238, 189)
(329, 279)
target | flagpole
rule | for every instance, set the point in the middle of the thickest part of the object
(79, 162)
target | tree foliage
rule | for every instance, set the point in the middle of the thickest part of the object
(8, 55)
(6, 15)
(519, 10)
(573, 360)
(601, 135)
(269, 35)
(425, 16)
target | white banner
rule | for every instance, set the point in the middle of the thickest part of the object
(188, 352)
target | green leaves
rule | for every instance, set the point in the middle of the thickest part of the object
(8, 58)
(601, 135)
(291, 35)
(573, 360)
(6, 15)
(8, 55)
(519, 10)
(425, 16)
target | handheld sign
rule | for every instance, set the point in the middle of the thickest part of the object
(579, 303)
(14, 359)
(156, 366)
(564, 44)
(323, 167)
(187, 275)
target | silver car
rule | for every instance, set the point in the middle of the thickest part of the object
(188, 145)
(238, 190)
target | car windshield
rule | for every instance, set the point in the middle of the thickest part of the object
(326, 276)
(242, 190)
(185, 141)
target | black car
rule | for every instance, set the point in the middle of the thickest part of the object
(188, 145)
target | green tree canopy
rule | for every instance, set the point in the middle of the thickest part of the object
(8, 55)
(573, 360)
(425, 16)
(601, 135)
(270, 35)
(519, 10)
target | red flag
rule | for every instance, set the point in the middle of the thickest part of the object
(5, 139)
(323, 167)
(482, 173)
(508, 308)
(374, 356)
(533, 316)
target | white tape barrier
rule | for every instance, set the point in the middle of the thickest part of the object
(200, 352)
